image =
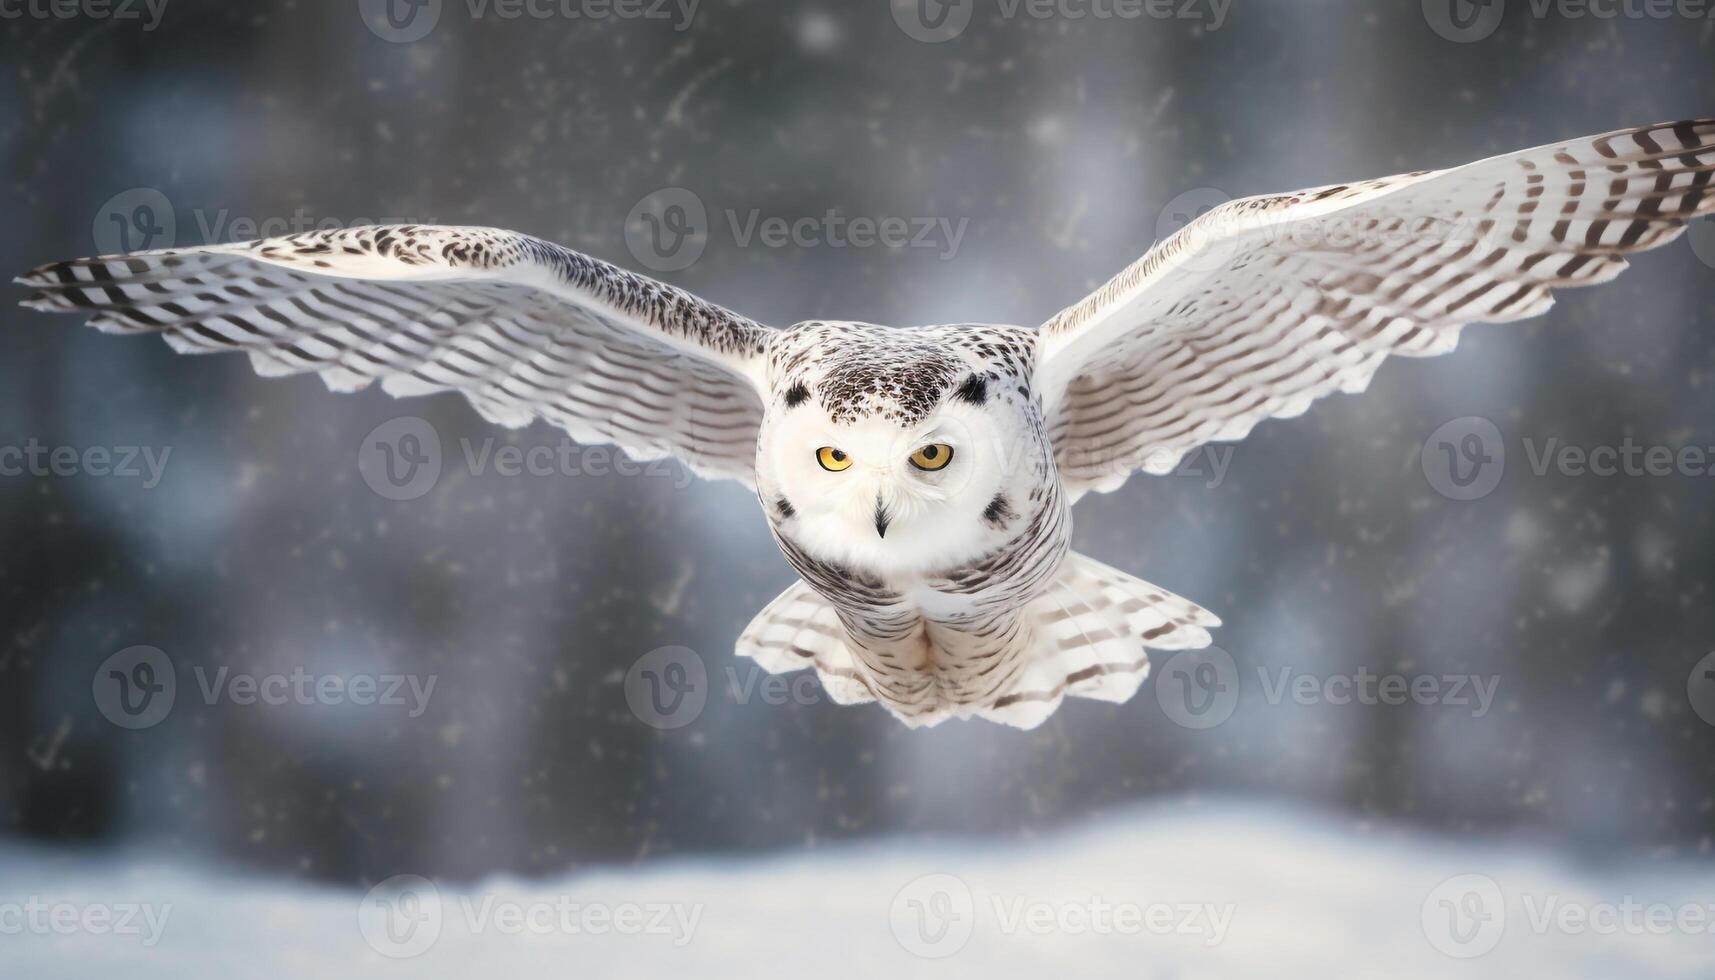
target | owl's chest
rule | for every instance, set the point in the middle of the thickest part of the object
(1004, 580)
(1009, 578)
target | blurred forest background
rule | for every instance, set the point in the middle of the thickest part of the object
(1059, 147)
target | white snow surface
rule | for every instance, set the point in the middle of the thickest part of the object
(1203, 892)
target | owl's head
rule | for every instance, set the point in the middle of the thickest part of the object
(895, 467)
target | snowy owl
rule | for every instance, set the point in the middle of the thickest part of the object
(921, 481)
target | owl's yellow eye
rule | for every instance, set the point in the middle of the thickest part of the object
(932, 457)
(833, 460)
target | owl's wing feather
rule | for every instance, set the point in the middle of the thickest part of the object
(1265, 304)
(524, 328)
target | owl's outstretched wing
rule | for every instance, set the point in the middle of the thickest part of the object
(1265, 304)
(524, 328)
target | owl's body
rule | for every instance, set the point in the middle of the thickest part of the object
(969, 601)
(921, 481)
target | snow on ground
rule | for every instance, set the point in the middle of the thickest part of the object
(1221, 892)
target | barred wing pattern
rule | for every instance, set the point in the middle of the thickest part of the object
(1265, 304)
(523, 328)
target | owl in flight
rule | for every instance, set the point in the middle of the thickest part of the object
(921, 481)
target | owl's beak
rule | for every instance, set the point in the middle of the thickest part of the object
(882, 517)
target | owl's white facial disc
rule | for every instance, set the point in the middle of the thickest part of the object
(893, 496)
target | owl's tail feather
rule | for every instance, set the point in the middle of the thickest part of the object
(1085, 637)
(1091, 631)
(801, 629)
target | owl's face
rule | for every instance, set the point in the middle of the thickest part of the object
(889, 492)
